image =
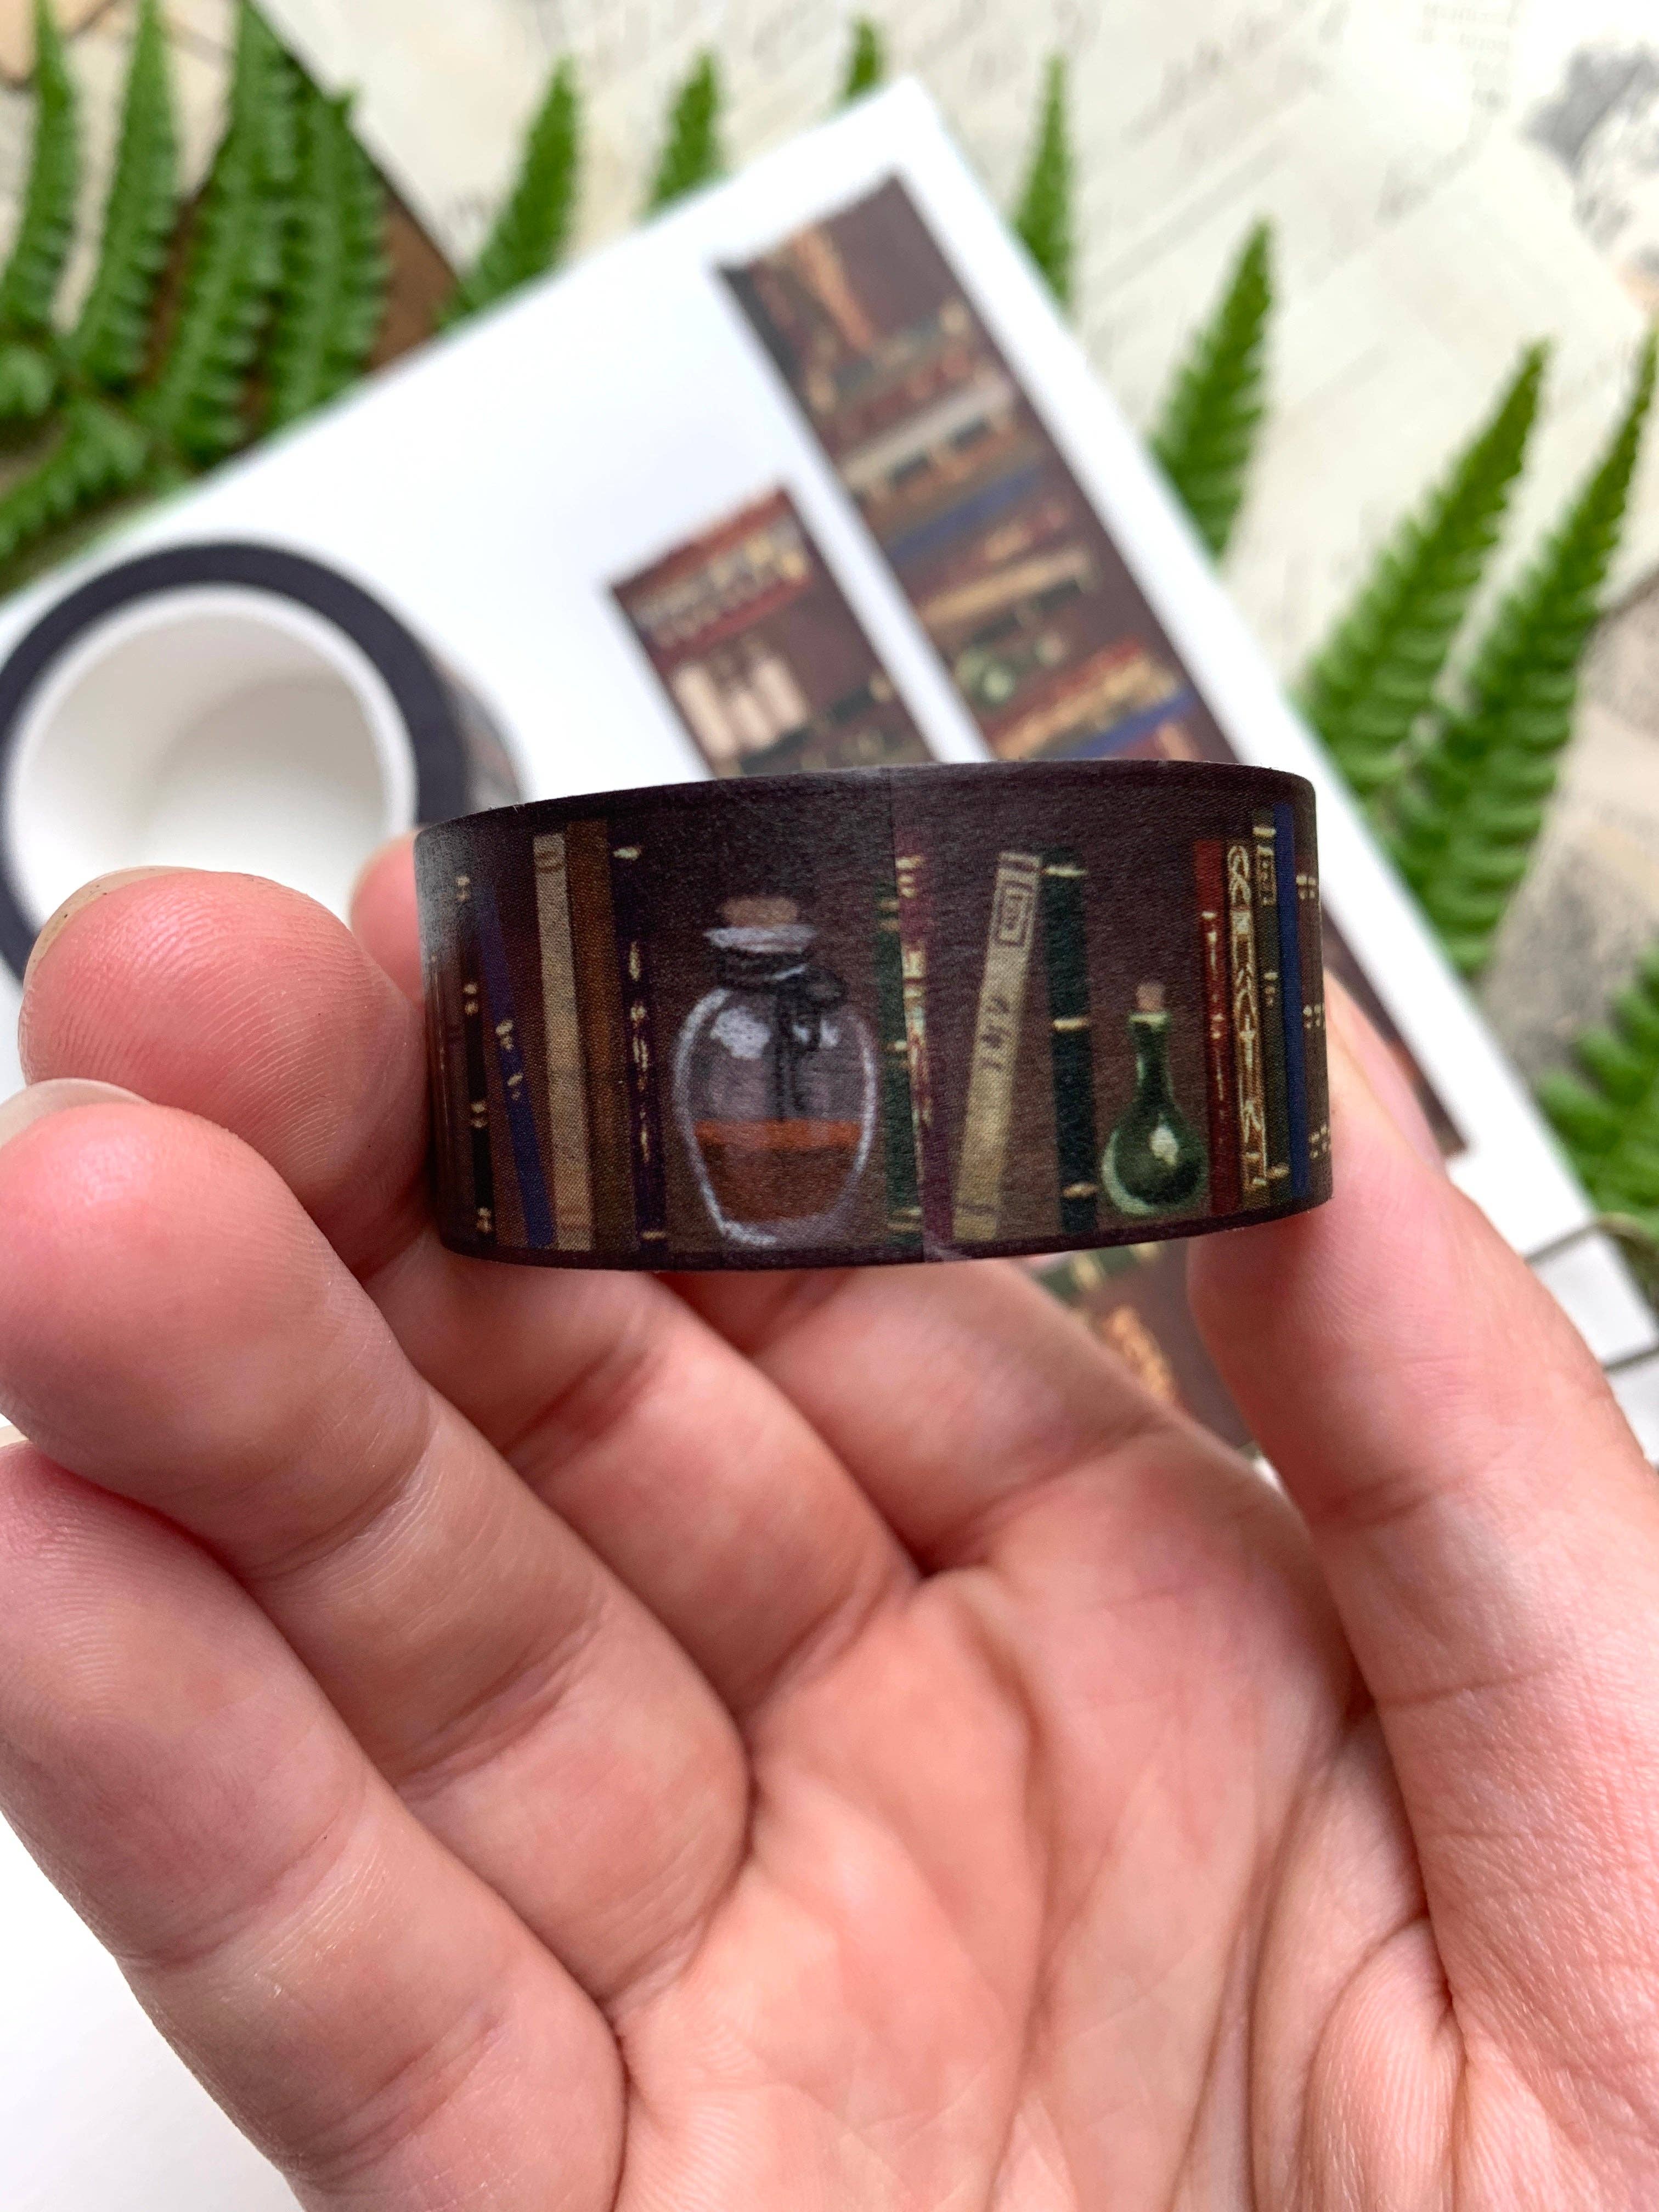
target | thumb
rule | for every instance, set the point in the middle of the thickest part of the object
(1490, 1532)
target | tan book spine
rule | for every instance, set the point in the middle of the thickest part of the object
(566, 1065)
(986, 1123)
(1252, 1183)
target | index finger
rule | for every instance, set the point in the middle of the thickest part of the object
(1490, 1532)
(694, 1480)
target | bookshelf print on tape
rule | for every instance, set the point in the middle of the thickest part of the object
(887, 1014)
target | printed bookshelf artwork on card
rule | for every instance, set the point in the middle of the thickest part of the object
(1008, 568)
(1044, 632)
(766, 663)
(885, 1017)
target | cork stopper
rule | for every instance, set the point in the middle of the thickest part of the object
(759, 913)
(1149, 997)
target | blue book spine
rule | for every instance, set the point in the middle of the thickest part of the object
(1289, 999)
(520, 1118)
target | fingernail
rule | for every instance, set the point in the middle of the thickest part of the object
(55, 923)
(1357, 1047)
(34, 1105)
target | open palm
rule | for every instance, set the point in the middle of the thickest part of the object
(543, 1739)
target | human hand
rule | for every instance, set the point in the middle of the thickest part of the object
(825, 1742)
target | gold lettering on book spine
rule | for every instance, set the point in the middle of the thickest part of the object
(1313, 1015)
(1246, 1029)
(1266, 897)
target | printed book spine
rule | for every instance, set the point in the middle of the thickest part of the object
(1246, 1029)
(898, 1114)
(604, 1051)
(910, 873)
(1071, 1041)
(566, 1073)
(1313, 1015)
(986, 1123)
(645, 1120)
(444, 1042)
(1290, 965)
(1210, 869)
(477, 1080)
(520, 1114)
(1275, 1002)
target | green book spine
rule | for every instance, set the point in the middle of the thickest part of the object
(1071, 1037)
(897, 1117)
(1275, 1081)
(603, 1038)
(933, 1161)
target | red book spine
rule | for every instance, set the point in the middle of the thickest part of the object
(1210, 869)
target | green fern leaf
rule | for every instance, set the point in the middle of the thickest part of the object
(198, 401)
(1607, 1112)
(1370, 685)
(867, 62)
(692, 155)
(29, 283)
(265, 99)
(100, 453)
(533, 229)
(1467, 813)
(334, 267)
(1042, 219)
(1587, 1125)
(1205, 437)
(28, 382)
(111, 337)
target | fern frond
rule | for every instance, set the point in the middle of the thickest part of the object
(1374, 679)
(1466, 814)
(196, 401)
(692, 155)
(29, 283)
(110, 341)
(1607, 1113)
(1043, 220)
(28, 382)
(1206, 435)
(264, 98)
(867, 62)
(532, 230)
(99, 454)
(335, 266)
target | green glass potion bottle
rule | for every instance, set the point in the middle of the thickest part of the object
(1154, 1161)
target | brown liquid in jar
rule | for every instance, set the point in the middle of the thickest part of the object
(782, 1171)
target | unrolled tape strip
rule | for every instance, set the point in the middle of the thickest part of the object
(889, 1014)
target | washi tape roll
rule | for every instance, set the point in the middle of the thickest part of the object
(884, 1015)
(236, 699)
